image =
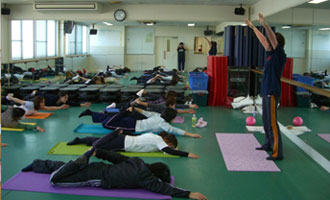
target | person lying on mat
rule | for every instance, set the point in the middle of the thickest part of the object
(10, 119)
(30, 107)
(170, 102)
(147, 142)
(155, 122)
(56, 102)
(124, 172)
(150, 98)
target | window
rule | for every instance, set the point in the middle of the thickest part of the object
(84, 40)
(51, 38)
(16, 40)
(76, 42)
(41, 38)
(33, 39)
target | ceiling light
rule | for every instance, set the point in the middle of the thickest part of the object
(317, 1)
(107, 23)
(243, 24)
(324, 29)
(149, 23)
(285, 27)
(192, 24)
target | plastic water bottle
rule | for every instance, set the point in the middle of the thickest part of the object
(194, 120)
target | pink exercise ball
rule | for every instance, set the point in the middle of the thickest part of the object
(250, 121)
(297, 121)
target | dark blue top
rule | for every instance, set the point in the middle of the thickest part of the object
(213, 51)
(181, 51)
(274, 65)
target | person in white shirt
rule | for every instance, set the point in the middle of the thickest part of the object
(148, 142)
(155, 122)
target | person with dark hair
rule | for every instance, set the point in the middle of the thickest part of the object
(181, 56)
(30, 107)
(56, 102)
(213, 47)
(155, 122)
(10, 119)
(147, 142)
(170, 102)
(124, 172)
(271, 86)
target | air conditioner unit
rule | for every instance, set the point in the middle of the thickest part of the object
(69, 6)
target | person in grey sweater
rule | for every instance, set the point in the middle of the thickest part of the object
(10, 119)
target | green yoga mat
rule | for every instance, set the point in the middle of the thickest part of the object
(62, 149)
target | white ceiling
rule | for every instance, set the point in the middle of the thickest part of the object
(324, 5)
(174, 2)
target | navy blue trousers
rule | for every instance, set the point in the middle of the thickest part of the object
(273, 137)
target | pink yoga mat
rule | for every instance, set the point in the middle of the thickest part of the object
(239, 153)
(34, 182)
(325, 137)
(178, 120)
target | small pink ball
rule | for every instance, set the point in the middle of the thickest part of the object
(297, 121)
(250, 121)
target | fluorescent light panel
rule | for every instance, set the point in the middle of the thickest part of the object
(192, 24)
(317, 1)
(285, 27)
(107, 23)
(150, 24)
(243, 24)
(324, 29)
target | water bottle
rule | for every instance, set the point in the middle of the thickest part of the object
(194, 120)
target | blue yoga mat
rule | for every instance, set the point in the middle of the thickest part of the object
(92, 128)
(112, 110)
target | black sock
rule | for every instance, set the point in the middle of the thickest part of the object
(272, 158)
(263, 148)
(75, 141)
(28, 168)
(86, 112)
(89, 153)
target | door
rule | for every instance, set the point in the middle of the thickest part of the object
(166, 53)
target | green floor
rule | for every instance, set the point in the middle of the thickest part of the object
(300, 177)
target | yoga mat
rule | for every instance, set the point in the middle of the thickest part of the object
(92, 128)
(16, 129)
(34, 182)
(325, 137)
(62, 149)
(239, 153)
(178, 120)
(112, 110)
(38, 116)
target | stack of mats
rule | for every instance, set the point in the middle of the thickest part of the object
(242, 46)
(287, 93)
(90, 93)
(110, 94)
(217, 71)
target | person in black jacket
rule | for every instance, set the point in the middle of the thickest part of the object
(125, 172)
(181, 56)
(56, 102)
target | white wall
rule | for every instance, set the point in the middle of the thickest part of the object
(185, 34)
(107, 47)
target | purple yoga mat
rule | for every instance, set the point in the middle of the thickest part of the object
(325, 137)
(239, 153)
(179, 119)
(34, 182)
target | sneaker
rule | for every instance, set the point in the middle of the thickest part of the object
(113, 105)
(140, 93)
